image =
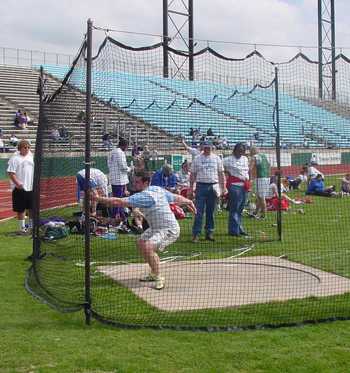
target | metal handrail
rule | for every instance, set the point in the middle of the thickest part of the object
(30, 58)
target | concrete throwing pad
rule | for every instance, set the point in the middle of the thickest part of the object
(200, 284)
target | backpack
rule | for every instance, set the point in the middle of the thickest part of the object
(55, 232)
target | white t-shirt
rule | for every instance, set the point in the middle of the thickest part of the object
(194, 152)
(118, 168)
(237, 167)
(313, 172)
(207, 168)
(23, 168)
(99, 179)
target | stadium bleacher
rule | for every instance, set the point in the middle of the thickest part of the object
(232, 112)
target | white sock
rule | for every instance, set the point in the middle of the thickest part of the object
(22, 224)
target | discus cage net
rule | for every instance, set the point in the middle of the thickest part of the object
(293, 266)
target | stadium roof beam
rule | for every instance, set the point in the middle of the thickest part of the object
(176, 11)
(326, 50)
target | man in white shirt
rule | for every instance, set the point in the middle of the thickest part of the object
(237, 170)
(312, 171)
(207, 173)
(118, 175)
(193, 151)
(153, 202)
(21, 173)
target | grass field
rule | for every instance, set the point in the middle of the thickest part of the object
(38, 339)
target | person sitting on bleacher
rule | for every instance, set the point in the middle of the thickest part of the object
(23, 121)
(27, 119)
(13, 140)
(55, 134)
(16, 119)
(63, 132)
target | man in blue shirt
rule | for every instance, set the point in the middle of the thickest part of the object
(153, 202)
(316, 187)
(165, 178)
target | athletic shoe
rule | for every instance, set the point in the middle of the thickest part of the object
(22, 232)
(159, 283)
(148, 278)
(209, 237)
(195, 239)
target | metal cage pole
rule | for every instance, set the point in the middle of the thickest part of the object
(87, 307)
(165, 40)
(190, 40)
(37, 169)
(278, 158)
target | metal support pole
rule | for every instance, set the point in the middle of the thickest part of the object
(190, 40)
(37, 170)
(165, 40)
(278, 158)
(87, 173)
(334, 90)
(320, 59)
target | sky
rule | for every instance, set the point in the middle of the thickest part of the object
(59, 26)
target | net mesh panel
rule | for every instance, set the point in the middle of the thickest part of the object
(230, 282)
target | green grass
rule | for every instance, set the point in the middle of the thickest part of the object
(317, 238)
(35, 338)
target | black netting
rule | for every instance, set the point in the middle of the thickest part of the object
(287, 262)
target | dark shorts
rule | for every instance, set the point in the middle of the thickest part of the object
(21, 200)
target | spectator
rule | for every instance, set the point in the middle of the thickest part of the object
(210, 132)
(146, 155)
(21, 171)
(107, 142)
(13, 140)
(55, 134)
(17, 118)
(28, 120)
(345, 184)
(294, 183)
(118, 175)
(63, 131)
(98, 181)
(135, 151)
(2, 144)
(260, 169)
(312, 171)
(208, 181)
(23, 121)
(183, 176)
(193, 151)
(316, 187)
(237, 170)
(165, 178)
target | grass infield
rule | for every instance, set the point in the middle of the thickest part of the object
(38, 339)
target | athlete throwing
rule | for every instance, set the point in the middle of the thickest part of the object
(163, 228)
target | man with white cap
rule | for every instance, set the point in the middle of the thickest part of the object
(208, 182)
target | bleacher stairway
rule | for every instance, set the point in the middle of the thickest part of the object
(18, 90)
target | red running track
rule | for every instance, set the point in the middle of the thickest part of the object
(61, 191)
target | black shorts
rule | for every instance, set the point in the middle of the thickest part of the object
(21, 200)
